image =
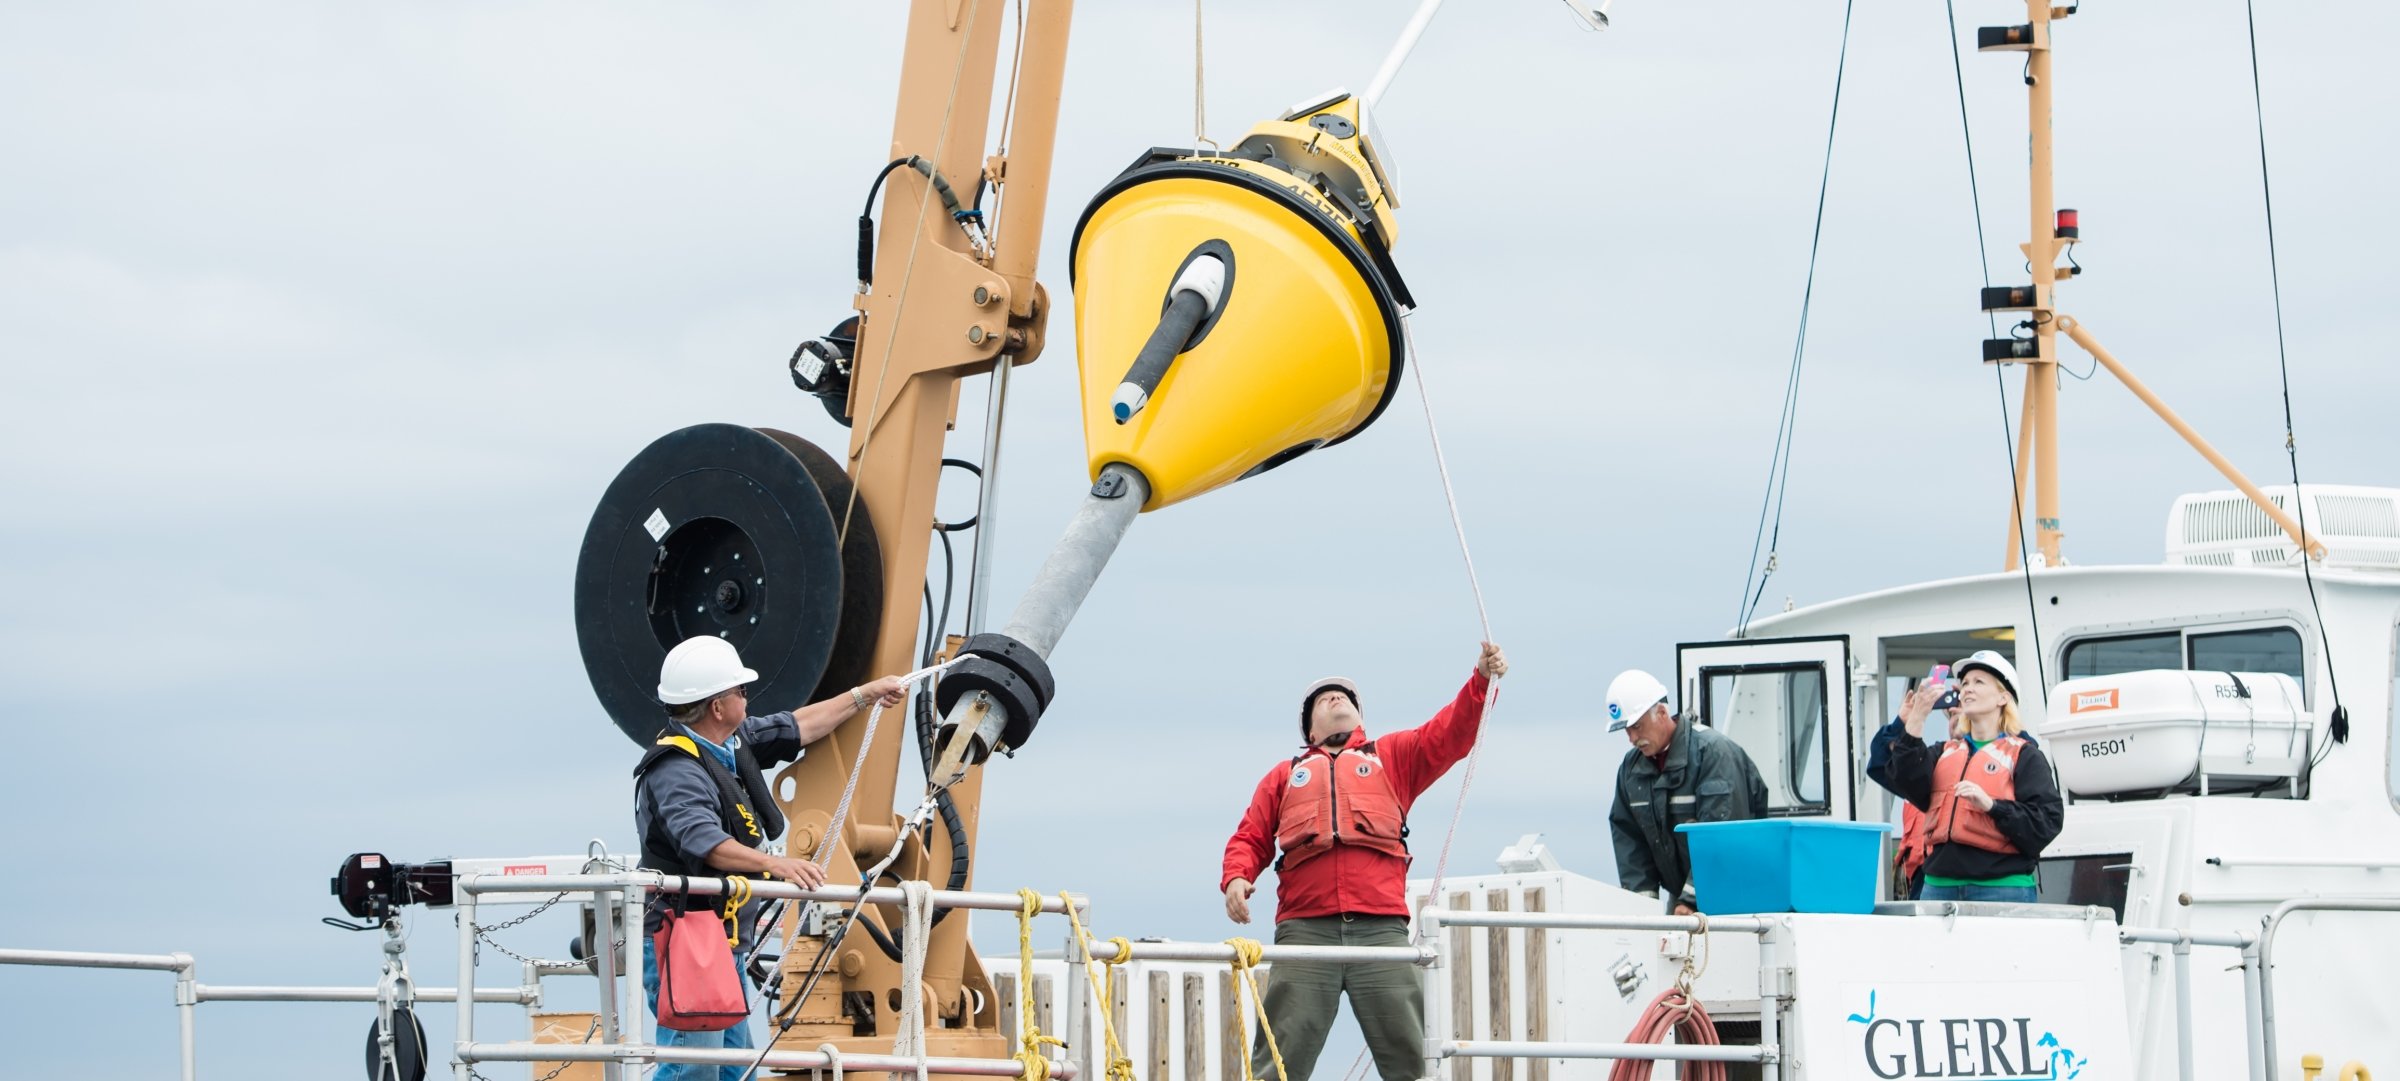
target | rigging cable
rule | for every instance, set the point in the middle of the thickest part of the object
(1779, 463)
(1983, 260)
(1008, 130)
(2338, 725)
(1491, 691)
(1199, 84)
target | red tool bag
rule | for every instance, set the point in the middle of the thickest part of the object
(699, 988)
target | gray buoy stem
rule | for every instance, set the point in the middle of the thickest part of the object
(1049, 604)
(1075, 562)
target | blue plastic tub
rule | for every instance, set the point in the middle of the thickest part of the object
(1786, 865)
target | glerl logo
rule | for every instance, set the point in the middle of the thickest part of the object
(2002, 1047)
(2092, 701)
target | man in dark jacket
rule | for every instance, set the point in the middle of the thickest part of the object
(701, 804)
(1678, 771)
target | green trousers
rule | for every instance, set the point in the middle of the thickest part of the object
(1302, 997)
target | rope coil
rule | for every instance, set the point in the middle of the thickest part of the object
(1677, 1012)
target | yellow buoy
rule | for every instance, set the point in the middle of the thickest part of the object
(1234, 311)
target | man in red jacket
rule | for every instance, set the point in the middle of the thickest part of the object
(1339, 812)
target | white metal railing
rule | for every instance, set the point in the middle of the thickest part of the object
(789, 1061)
(2261, 969)
(190, 993)
(1219, 951)
(523, 996)
(621, 894)
(1441, 1042)
(180, 964)
(1680, 1052)
(2183, 941)
(1766, 1052)
(618, 894)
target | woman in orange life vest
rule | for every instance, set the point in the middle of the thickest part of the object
(1990, 799)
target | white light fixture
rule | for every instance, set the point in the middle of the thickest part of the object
(1528, 856)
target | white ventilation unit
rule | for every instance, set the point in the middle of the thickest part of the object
(2360, 528)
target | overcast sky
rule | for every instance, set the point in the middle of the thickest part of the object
(325, 326)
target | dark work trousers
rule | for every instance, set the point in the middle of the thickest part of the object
(1388, 999)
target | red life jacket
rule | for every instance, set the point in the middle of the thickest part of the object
(1341, 797)
(1916, 839)
(1993, 769)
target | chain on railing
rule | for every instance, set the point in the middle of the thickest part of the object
(483, 933)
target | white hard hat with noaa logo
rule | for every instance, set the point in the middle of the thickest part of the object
(1630, 695)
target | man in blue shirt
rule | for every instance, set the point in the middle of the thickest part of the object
(701, 805)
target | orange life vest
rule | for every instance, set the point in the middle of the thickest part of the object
(1339, 798)
(1993, 769)
(1916, 840)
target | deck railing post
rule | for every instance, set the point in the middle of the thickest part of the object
(633, 917)
(2183, 1007)
(1770, 1004)
(1076, 990)
(460, 1068)
(1437, 987)
(604, 913)
(187, 1001)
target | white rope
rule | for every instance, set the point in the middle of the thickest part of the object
(1491, 693)
(916, 926)
(833, 1055)
(1416, 368)
(841, 811)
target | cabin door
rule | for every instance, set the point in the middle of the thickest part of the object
(1787, 702)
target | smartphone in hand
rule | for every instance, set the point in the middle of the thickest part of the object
(1940, 677)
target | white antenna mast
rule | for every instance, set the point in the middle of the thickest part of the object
(1593, 14)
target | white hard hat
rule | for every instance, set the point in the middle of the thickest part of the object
(1631, 695)
(1329, 683)
(700, 667)
(1989, 662)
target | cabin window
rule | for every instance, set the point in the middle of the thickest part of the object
(2259, 649)
(2250, 649)
(2127, 653)
(1777, 713)
(2086, 880)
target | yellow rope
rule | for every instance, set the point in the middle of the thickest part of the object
(737, 894)
(1036, 1066)
(1103, 976)
(1247, 952)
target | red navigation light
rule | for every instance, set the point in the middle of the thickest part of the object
(2069, 228)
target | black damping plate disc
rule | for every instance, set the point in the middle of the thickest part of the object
(714, 529)
(862, 570)
(408, 1048)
